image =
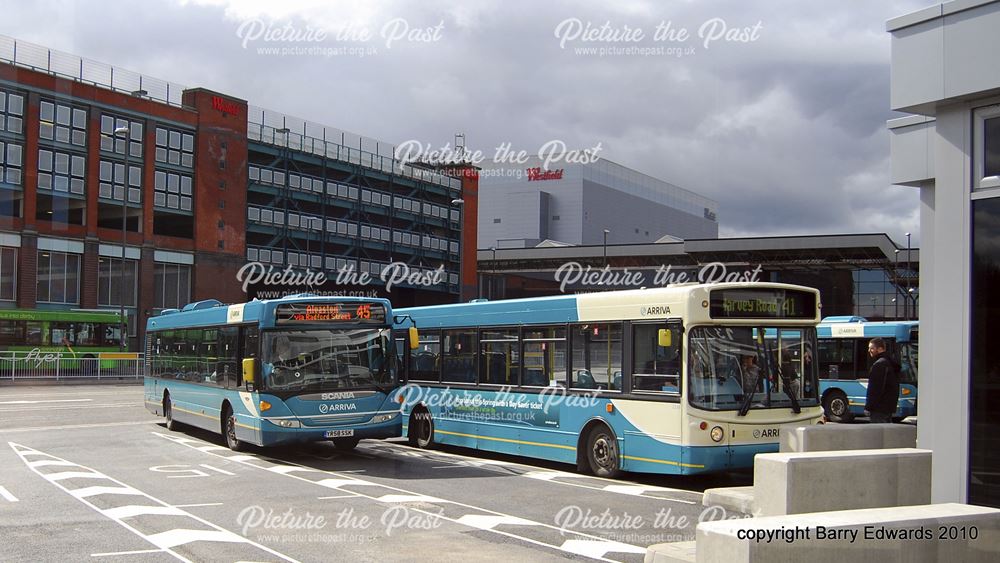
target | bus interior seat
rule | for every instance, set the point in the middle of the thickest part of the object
(584, 380)
(535, 378)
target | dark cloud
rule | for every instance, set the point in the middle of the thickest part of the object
(786, 132)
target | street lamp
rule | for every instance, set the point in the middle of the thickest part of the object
(906, 309)
(606, 231)
(493, 269)
(895, 283)
(122, 338)
(458, 202)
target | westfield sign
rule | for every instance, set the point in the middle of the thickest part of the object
(538, 175)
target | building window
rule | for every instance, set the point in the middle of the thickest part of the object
(10, 163)
(172, 190)
(496, 220)
(174, 147)
(987, 147)
(172, 289)
(112, 177)
(116, 143)
(8, 274)
(11, 112)
(61, 172)
(58, 277)
(62, 123)
(109, 281)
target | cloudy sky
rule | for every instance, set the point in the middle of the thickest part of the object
(783, 123)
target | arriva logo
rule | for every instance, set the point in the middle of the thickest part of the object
(655, 310)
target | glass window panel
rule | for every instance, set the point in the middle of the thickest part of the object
(62, 115)
(47, 111)
(161, 137)
(597, 356)
(991, 146)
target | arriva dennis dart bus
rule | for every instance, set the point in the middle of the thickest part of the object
(288, 370)
(683, 379)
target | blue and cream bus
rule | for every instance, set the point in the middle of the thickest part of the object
(288, 370)
(676, 380)
(844, 363)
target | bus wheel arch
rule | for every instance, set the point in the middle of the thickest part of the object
(228, 428)
(598, 451)
(836, 405)
(420, 429)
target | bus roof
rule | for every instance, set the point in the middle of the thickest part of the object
(651, 303)
(211, 312)
(69, 315)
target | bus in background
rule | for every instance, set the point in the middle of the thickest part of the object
(844, 363)
(76, 337)
(676, 380)
(295, 369)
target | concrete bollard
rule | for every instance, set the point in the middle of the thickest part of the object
(832, 437)
(795, 483)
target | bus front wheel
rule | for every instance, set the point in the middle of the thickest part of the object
(421, 432)
(229, 424)
(602, 452)
(836, 406)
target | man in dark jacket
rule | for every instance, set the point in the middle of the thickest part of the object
(883, 383)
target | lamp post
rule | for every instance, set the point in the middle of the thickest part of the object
(606, 231)
(493, 269)
(895, 283)
(122, 336)
(458, 202)
(906, 308)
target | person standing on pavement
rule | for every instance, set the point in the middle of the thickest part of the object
(883, 383)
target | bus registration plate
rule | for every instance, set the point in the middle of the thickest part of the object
(339, 433)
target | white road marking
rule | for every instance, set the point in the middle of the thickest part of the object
(586, 542)
(223, 471)
(44, 401)
(597, 549)
(119, 553)
(164, 540)
(73, 475)
(6, 494)
(352, 495)
(78, 426)
(197, 505)
(548, 475)
(490, 522)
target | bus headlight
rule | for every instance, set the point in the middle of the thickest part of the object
(383, 417)
(906, 391)
(285, 423)
(717, 434)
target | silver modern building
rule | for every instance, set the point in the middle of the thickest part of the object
(526, 204)
(946, 73)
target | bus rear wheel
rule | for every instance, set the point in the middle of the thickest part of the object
(602, 452)
(168, 413)
(837, 407)
(229, 423)
(421, 433)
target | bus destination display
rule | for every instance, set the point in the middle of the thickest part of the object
(293, 313)
(757, 303)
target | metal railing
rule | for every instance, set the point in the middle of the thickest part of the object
(35, 364)
(39, 58)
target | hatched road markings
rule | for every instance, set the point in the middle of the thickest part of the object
(126, 506)
(529, 531)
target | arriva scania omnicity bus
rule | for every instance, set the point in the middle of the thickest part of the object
(295, 369)
(677, 380)
(844, 363)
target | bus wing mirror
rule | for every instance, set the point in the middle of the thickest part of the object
(249, 370)
(665, 338)
(414, 337)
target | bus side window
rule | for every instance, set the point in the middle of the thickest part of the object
(228, 366)
(33, 334)
(654, 367)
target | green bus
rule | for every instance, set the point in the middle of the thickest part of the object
(77, 333)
